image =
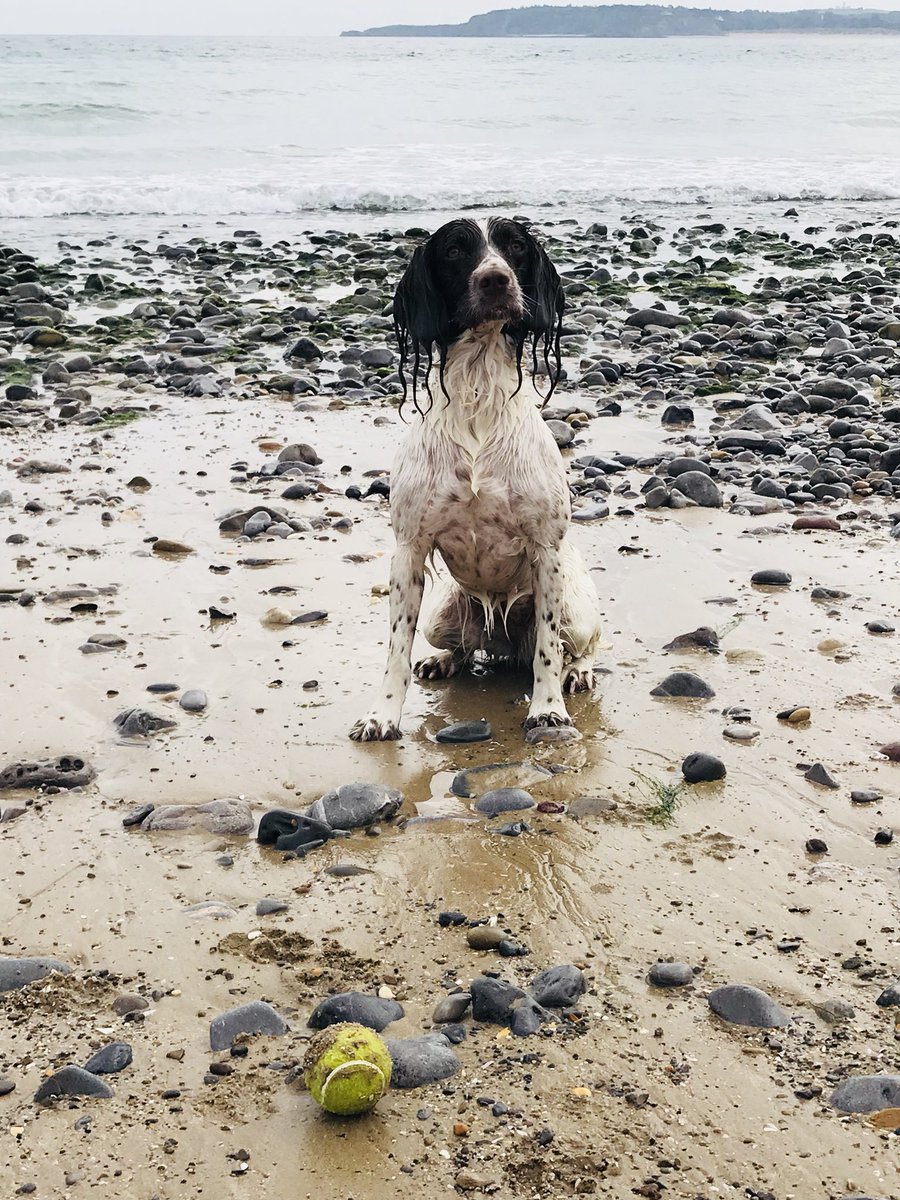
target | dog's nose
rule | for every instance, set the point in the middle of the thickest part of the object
(493, 283)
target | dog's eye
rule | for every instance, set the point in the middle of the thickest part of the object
(453, 252)
(518, 246)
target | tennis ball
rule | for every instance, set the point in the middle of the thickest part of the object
(347, 1068)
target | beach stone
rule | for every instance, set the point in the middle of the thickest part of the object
(702, 768)
(266, 907)
(559, 987)
(451, 1009)
(699, 487)
(501, 800)
(255, 1017)
(354, 805)
(683, 685)
(771, 578)
(6, 1086)
(464, 731)
(816, 522)
(883, 837)
(866, 796)
(555, 735)
(528, 1016)
(72, 1081)
(743, 1005)
(371, 1011)
(669, 975)
(867, 1093)
(162, 689)
(702, 638)
(834, 1011)
(818, 773)
(476, 781)
(492, 999)
(229, 818)
(417, 1061)
(64, 771)
(300, 452)
(137, 722)
(890, 997)
(194, 700)
(485, 937)
(128, 1002)
(19, 972)
(109, 1059)
(891, 751)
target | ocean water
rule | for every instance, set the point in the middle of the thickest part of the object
(110, 132)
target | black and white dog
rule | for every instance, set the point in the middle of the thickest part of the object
(480, 479)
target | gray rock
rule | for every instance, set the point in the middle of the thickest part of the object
(229, 817)
(111, 1058)
(669, 975)
(770, 578)
(563, 433)
(890, 997)
(137, 722)
(255, 1017)
(743, 1005)
(698, 487)
(501, 800)
(451, 1008)
(464, 731)
(72, 1081)
(684, 685)
(65, 771)
(528, 1016)
(476, 781)
(867, 1093)
(371, 1011)
(266, 907)
(492, 999)
(194, 700)
(819, 774)
(418, 1061)
(702, 768)
(559, 987)
(355, 805)
(19, 972)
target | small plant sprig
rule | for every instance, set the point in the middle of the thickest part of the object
(666, 795)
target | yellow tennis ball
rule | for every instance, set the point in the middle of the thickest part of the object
(347, 1069)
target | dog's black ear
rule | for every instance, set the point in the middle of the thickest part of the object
(421, 321)
(545, 300)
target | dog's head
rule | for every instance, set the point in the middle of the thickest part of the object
(467, 275)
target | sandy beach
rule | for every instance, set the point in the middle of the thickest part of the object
(192, 366)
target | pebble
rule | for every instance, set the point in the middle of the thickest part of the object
(504, 799)
(816, 846)
(883, 837)
(740, 733)
(743, 1005)
(891, 750)
(257, 1017)
(794, 716)
(6, 1086)
(820, 775)
(771, 578)
(418, 1061)
(137, 722)
(865, 796)
(226, 818)
(527, 1017)
(194, 700)
(266, 907)
(354, 805)
(72, 1081)
(476, 781)
(890, 997)
(485, 937)
(559, 987)
(64, 771)
(464, 731)
(867, 1093)
(451, 1008)
(371, 1011)
(111, 1058)
(880, 627)
(492, 999)
(684, 685)
(129, 1003)
(670, 974)
(702, 768)
(18, 972)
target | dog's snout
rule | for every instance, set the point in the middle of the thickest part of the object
(494, 282)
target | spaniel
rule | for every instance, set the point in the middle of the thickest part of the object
(480, 479)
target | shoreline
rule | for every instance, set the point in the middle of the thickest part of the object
(640, 1091)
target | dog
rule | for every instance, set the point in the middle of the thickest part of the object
(480, 480)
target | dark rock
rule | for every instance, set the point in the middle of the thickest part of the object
(354, 805)
(476, 781)
(816, 846)
(771, 578)
(492, 999)
(371, 1011)
(65, 771)
(559, 987)
(418, 1061)
(501, 800)
(72, 1081)
(883, 837)
(290, 831)
(684, 685)
(111, 1058)
(819, 774)
(528, 1016)
(194, 700)
(702, 768)
(451, 1008)
(743, 1005)
(19, 972)
(464, 731)
(137, 722)
(697, 486)
(669, 975)
(890, 997)
(266, 907)
(450, 917)
(257, 1017)
(702, 638)
(867, 1093)
(138, 815)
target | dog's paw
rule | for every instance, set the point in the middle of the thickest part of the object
(576, 679)
(438, 666)
(374, 729)
(552, 719)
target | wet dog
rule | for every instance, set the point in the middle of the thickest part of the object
(480, 480)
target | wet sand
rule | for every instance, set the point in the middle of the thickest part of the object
(678, 1103)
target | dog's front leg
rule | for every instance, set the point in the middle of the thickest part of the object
(547, 704)
(407, 581)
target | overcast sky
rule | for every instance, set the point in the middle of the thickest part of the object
(282, 16)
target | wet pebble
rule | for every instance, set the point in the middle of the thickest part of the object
(6, 1086)
(818, 773)
(670, 974)
(883, 837)
(451, 1008)
(493, 999)
(890, 997)
(504, 799)
(485, 937)
(266, 907)
(684, 685)
(371, 1011)
(816, 846)
(18, 972)
(194, 700)
(559, 987)
(702, 768)
(464, 731)
(129, 1003)
(354, 805)
(743, 1005)
(257, 1017)
(110, 1058)
(867, 1093)
(72, 1081)
(418, 1061)
(771, 578)
(865, 796)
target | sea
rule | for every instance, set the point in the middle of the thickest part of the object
(134, 135)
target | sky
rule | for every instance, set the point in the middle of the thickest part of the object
(286, 16)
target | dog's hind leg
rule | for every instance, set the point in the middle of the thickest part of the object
(581, 630)
(455, 628)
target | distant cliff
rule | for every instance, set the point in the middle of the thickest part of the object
(648, 20)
